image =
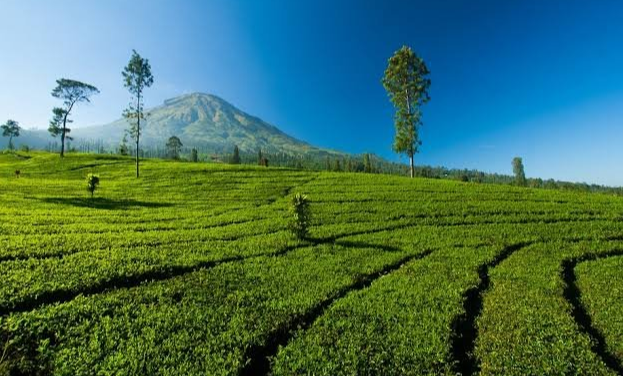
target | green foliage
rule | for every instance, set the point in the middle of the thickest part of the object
(600, 284)
(301, 215)
(338, 166)
(10, 129)
(390, 328)
(262, 160)
(174, 146)
(407, 83)
(123, 147)
(136, 77)
(527, 313)
(56, 124)
(71, 92)
(367, 164)
(235, 159)
(196, 268)
(194, 157)
(518, 171)
(93, 182)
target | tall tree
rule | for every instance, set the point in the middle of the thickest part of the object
(174, 146)
(10, 129)
(136, 77)
(406, 81)
(367, 164)
(518, 171)
(235, 159)
(71, 92)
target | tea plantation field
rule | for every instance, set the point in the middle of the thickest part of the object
(190, 270)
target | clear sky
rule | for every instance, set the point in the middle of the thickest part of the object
(541, 79)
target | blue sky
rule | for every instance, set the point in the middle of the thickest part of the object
(541, 79)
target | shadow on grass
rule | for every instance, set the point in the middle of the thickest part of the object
(104, 203)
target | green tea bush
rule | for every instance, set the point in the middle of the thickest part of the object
(301, 215)
(92, 182)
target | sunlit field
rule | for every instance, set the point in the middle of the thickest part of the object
(191, 270)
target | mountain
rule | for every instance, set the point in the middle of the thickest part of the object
(203, 120)
(199, 120)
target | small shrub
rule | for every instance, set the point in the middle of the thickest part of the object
(24, 148)
(301, 215)
(17, 173)
(92, 182)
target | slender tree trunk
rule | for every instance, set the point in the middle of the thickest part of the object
(137, 136)
(413, 140)
(65, 128)
(63, 135)
(11, 142)
(63, 142)
(138, 127)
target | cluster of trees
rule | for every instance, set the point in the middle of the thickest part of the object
(336, 163)
(136, 77)
(405, 80)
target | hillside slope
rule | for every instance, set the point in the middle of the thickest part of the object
(199, 120)
(192, 269)
(204, 120)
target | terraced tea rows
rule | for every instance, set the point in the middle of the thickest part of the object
(191, 270)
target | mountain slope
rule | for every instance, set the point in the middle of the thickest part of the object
(203, 120)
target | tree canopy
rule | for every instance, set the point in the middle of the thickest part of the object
(71, 92)
(136, 77)
(407, 83)
(174, 146)
(10, 129)
(518, 171)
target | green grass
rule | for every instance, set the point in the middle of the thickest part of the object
(191, 270)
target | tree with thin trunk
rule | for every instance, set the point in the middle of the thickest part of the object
(10, 129)
(136, 77)
(407, 83)
(518, 170)
(174, 146)
(71, 92)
